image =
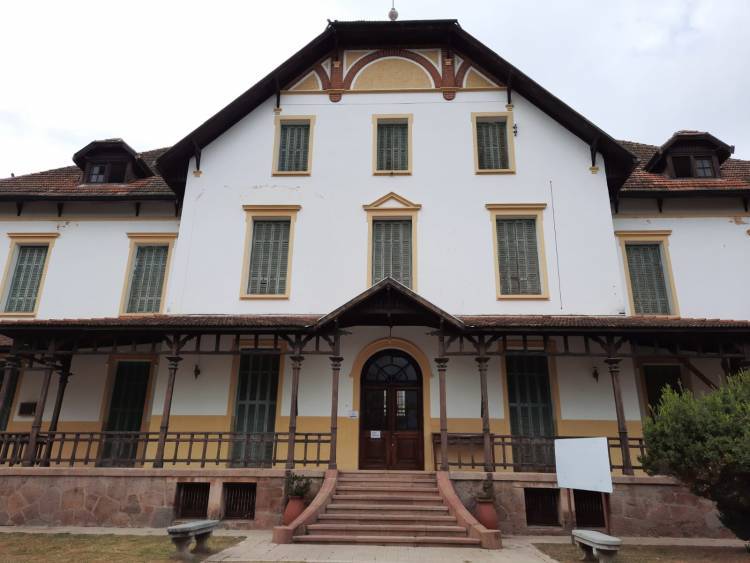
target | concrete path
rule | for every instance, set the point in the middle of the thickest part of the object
(257, 548)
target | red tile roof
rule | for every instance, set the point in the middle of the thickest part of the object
(66, 183)
(735, 175)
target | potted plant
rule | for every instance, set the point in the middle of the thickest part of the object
(486, 512)
(296, 488)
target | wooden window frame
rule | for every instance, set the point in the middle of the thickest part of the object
(650, 237)
(693, 167)
(146, 239)
(506, 116)
(278, 121)
(270, 212)
(107, 171)
(409, 118)
(25, 239)
(408, 211)
(520, 211)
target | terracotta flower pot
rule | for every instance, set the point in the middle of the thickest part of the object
(486, 513)
(294, 508)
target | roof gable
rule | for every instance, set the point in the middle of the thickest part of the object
(396, 36)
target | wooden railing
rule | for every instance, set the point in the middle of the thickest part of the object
(138, 449)
(519, 453)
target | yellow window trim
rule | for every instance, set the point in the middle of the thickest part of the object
(506, 116)
(660, 237)
(20, 239)
(146, 239)
(267, 212)
(278, 121)
(520, 211)
(408, 210)
(409, 118)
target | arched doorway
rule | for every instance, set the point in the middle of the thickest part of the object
(391, 430)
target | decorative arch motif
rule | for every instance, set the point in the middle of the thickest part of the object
(393, 52)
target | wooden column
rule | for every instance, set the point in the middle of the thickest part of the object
(62, 383)
(174, 362)
(9, 374)
(36, 426)
(296, 366)
(486, 436)
(335, 370)
(442, 365)
(614, 372)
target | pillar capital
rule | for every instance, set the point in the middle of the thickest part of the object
(336, 361)
(441, 362)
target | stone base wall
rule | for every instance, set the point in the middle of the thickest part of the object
(639, 506)
(131, 498)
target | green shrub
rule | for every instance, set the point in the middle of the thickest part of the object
(705, 443)
(297, 485)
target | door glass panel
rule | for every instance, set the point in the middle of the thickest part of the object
(376, 409)
(407, 409)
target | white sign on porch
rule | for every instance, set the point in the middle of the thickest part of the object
(583, 463)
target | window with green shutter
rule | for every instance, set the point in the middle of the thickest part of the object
(392, 251)
(392, 150)
(492, 145)
(269, 257)
(647, 279)
(147, 278)
(518, 256)
(294, 145)
(27, 276)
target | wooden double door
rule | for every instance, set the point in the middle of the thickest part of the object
(391, 429)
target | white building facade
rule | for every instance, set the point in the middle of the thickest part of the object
(385, 221)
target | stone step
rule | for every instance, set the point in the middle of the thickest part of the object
(387, 476)
(386, 487)
(388, 540)
(384, 472)
(387, 482)
(389, 498)
(377, 509)
(386, 530)
(425, 519)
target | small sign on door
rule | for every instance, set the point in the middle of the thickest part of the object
(375, 434)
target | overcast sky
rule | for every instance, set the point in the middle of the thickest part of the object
(151, 71)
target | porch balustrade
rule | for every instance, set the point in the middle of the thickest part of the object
(520, 453)
(139, 449)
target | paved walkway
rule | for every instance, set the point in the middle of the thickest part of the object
(257, 547)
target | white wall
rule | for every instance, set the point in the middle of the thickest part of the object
(454, 246)
(710, 255)
(86, 271)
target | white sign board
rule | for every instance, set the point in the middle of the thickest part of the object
(375, 434)
(583, 463)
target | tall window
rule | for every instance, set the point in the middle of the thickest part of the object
(392, 250)
(28, 270)
(648, 280)
(392, 144)
(293, 143)
(147, 278)
(518, 256)
(493, 150)
(269, 257)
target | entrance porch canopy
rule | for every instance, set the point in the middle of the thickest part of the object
(50, 344)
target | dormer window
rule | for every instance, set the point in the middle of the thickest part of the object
(107, 173)
(693, 166)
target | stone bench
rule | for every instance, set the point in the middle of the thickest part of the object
(595, 545)
(182, 535)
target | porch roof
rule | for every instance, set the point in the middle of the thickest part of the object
(311, 323)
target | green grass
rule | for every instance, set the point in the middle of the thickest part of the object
(567, 553)
(84, 548)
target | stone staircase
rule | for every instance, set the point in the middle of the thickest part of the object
(387, 508)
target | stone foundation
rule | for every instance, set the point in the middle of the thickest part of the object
(130, 498)
(639, 506)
